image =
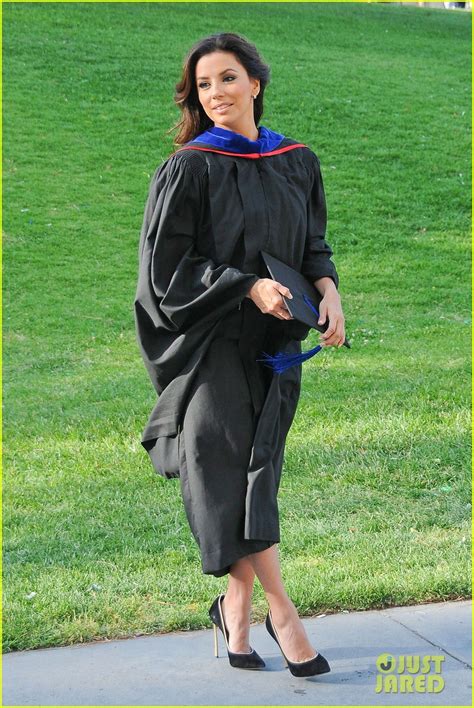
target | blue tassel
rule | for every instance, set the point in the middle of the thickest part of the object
(281, 361)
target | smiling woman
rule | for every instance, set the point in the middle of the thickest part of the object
(224, 89)
(205, 308)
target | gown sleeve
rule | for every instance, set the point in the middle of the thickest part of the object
(181, 292)
(317, 261)
(178, 285)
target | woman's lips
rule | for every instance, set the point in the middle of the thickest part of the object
(220, 109)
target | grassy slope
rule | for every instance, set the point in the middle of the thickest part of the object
(374, 499)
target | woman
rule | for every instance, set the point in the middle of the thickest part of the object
(206, 308)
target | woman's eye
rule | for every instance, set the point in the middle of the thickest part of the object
(203, 83)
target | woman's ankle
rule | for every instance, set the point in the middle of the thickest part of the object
(281, 607)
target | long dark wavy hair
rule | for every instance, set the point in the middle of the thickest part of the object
(194, 119)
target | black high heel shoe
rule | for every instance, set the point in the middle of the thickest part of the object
(240, 660)
(316, 665)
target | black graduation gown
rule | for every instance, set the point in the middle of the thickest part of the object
(221, 419)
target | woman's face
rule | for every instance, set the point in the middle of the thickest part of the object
(221, 79)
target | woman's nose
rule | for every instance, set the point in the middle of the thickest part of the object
(216, 92)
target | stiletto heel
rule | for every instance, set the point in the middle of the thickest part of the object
(239, 660)
(310, 667)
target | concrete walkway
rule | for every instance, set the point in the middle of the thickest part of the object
(180, 668)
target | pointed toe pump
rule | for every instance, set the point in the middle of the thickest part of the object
(316, 665)
(240, 660)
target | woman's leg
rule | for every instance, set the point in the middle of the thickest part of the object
(237, 604)
(289, 628)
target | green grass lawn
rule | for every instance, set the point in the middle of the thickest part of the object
(375, 498)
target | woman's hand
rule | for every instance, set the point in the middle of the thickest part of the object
(266, 294)
(330, 307)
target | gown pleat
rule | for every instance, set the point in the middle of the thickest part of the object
(214, 450)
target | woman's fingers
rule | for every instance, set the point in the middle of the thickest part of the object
(334, 334)
(284, 314)
(282, 310)
(330, 334)
(330, 311)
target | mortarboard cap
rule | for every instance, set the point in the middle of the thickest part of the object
(304, 306)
